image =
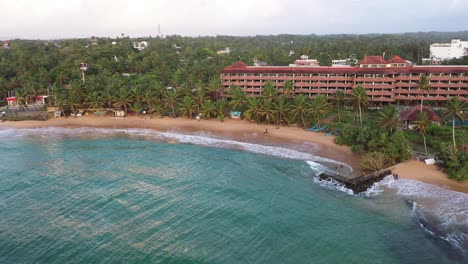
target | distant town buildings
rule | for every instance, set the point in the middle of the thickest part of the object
(305, 62)
(379, 62)
(227, 50)
(343, 63)
(386, 82)
(140, 45)
(259, 63)
(440, 52)
(94, 41)
(6, 44)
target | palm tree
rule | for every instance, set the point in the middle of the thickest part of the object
(288, 90)
(319, 107)
(387, 118)
(215, 88)
(300, 108)
(238, 98)
(221, 108)
(73, 101)
(422, 123)
(268, 110)
(138, 94)
(282, 107)
(208, 109)
(187, 106)
(254, 109)
(22, 98)
(95, 100)
(423, 86)
(149, 97)
(170, 101)
(199, 98)
(156, 106)
(108, 97)
(269, 92)
(124, 98)
(456, 108)
(359, 100)
(34, 91)
(338, 100)
(62, 78)
(75, 87)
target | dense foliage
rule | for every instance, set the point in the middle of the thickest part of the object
(177, 60)
(178, 76)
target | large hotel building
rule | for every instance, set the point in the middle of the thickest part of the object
(387, 82)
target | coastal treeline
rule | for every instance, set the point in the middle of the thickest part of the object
(377, 134)
(176, 60)
(179, 76)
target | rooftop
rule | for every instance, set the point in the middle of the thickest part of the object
(412, 113)
(241, 67)
(373, 60)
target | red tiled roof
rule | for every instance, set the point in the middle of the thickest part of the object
(412, 113)
(373, 60)
(397, 59)
(346, 70)
(238, 65)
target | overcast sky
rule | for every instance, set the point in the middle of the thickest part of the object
(47, 19)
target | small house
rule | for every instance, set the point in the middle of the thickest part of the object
(409, 116)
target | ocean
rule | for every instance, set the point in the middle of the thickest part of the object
(139, 196)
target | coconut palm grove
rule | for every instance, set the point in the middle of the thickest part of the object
(178, 76)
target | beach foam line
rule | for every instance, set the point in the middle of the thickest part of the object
(329, 183)
(440, 212)
(202, 139)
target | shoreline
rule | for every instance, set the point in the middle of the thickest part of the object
(296, 138)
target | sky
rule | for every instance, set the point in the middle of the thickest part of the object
(52, 19)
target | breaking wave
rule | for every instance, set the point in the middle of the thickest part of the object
(442, 213)
(205, 139)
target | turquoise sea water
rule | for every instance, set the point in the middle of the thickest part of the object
(113, 196)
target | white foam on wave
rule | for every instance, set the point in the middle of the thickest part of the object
(329, 183)
(203, 139)
(445, 210)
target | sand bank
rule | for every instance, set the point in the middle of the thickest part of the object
(418, 170)
(291, 137)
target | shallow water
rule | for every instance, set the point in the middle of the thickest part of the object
(87, 195)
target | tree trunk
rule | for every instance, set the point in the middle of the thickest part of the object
(360, 115)
(422, 98)
(339, 117)
(453, 132)
(425, 148)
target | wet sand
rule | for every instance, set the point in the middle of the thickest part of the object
(290, 137)
(418, 170)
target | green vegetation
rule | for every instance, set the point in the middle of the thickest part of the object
(179, 76)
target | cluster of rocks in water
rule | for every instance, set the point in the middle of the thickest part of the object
(357, 184)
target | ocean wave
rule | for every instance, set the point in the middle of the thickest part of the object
(204, 139)
(440, 212)
(328, 183)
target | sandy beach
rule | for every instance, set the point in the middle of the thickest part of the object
(291, 137)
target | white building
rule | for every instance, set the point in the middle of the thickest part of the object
(445, 51)
(142, 45)
(227, 50)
